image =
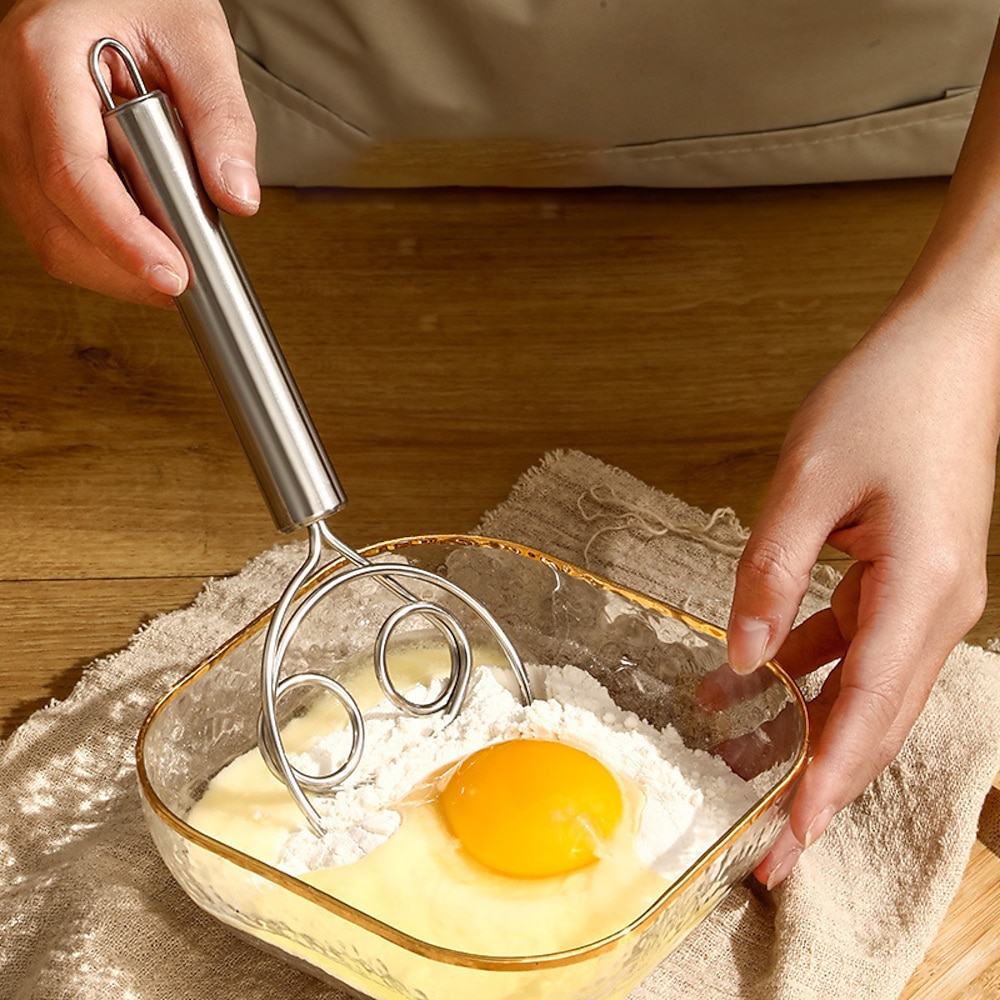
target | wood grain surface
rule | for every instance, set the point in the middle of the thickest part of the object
(444, 340)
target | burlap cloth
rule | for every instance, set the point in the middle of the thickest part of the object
(87, 909)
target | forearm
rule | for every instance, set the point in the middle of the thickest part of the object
(956, 279)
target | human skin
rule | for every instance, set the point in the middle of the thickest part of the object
(55, 177)
(891, 458)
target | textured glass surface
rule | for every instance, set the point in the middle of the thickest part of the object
(654, 660)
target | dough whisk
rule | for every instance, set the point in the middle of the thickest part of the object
(295, 475)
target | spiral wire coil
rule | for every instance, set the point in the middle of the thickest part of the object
(289, 616)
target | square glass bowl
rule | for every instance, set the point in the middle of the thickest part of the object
(657, 661)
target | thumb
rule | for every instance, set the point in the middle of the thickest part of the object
(772, 577)
(205, 86)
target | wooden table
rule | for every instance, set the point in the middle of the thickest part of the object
(444, 341)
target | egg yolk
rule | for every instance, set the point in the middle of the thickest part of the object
(532, 808)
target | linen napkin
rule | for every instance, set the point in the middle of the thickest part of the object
(88, 910)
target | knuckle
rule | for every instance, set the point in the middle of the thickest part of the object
(61, 175)
(225, 118)
(55, 248)
(973, 603)
(808, 463)
(236, 117)
(55, 177)
(964, 585)
(887, 751)
(766, 564)
(27, 39)
(875, 706)
(946, 567)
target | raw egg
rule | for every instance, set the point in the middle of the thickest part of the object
(532, 808)
(523, 847)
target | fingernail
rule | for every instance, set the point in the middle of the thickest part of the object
(818, 826)
(782, 867)
(240, 180)
(165, 279)
(748, 641)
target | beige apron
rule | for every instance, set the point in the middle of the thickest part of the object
(596, 92)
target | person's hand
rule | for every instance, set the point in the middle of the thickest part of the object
(890, 459)
(55, 177)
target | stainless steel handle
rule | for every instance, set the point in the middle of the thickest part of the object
(219, 306)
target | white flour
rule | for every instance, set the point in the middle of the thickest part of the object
(692, 798)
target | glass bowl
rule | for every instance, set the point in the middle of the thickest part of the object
(664, 665)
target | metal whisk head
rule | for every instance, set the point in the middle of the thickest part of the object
(295, 475)
(287, 618)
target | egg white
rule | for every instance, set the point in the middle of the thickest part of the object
(423, 882)
(391, 855)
